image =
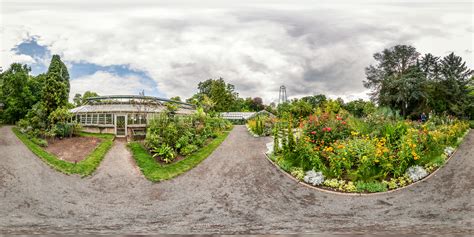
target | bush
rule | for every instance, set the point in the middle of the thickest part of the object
(188, 149)
(181, 134)
(164, 152)
(371, 187)
(40, 142)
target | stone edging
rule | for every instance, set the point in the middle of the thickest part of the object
(364, 194)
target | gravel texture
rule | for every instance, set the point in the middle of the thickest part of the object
(234, 191)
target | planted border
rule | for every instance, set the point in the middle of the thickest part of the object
(84, 167)
(269, 156)
(155, 172)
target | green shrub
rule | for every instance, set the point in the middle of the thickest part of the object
(153, 171)
(188, 149)
(164, 152)
(298, 173)
(40, 142)
(178, 132)
(371, 187)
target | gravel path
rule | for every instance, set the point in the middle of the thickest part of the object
(235, 190)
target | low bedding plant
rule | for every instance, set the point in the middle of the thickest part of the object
(371, 154)
(191, 138)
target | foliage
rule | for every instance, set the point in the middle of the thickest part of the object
(164, 152)
(378, 148)
(215, 95)
(416, 173)
(169, 135)
(155, 172)
(371, 187)
(312, 177)
(298, 173)
(83, 168)
(60, 115)
(56, 86)
(40, 142)
(16, 94)
(261, 125)
(403, 80)
(81, 99)
(360, 108)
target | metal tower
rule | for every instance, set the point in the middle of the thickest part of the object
(282, 98)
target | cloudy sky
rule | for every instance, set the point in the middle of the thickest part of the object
(167, 47)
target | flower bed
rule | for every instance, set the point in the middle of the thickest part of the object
(260, 126)
(84, 167)
(347, 154)
(171, 136)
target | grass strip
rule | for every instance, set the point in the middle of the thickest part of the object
(84, 167)
(155, 172)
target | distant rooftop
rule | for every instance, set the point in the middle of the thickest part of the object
(131, 99)
(243, 115)
(130, 103)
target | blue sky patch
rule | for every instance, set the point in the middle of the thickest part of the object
(76, 70)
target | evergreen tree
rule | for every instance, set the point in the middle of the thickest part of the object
(58, 68)
(454, 85)
(56, 86)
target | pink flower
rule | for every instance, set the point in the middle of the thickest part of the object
(313, 132)
(344, 122)
(328, 129)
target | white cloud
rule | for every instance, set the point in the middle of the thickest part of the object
(257, 46)
(105, 83)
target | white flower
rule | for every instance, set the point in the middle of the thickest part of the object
(314, 178)
(416, 173)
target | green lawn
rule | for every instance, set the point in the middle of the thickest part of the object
(155, 172)
(83, 168)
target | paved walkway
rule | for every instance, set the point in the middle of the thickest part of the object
(235, 190)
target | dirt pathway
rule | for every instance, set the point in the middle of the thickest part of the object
(235, 190)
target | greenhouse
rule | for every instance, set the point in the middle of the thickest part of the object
(244, 116)
(123, 115)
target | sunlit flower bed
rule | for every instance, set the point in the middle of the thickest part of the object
(373, 154)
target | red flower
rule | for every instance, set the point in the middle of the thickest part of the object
(328, 129)
(313, 132)
(344, 122)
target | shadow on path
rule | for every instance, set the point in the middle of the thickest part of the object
(235, 190)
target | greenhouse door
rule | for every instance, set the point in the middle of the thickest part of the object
(120, 125)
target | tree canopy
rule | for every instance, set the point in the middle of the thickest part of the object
(404, 81)
(16, 94)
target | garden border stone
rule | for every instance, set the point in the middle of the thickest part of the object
(367, 194)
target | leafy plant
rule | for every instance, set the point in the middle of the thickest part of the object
(165, 153)
(371, 187)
